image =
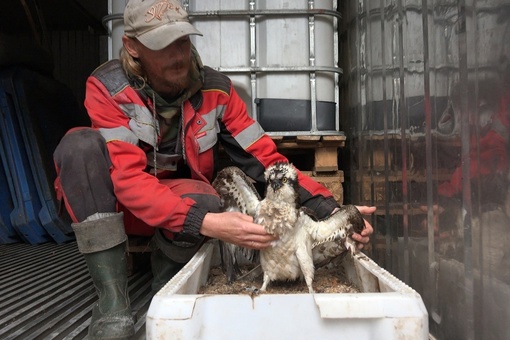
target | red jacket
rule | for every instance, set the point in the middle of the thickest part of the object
(216, 113)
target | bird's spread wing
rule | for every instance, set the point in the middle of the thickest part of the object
(331, 236)
(237, 193)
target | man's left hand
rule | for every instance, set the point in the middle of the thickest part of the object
(364, 237)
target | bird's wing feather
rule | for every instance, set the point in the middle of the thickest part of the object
(332, 235)
(237, 193)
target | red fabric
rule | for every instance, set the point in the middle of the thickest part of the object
(142, 194)
(135, 226)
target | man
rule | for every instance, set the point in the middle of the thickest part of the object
(146, 164)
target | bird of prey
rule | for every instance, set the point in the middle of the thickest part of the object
(302, 241)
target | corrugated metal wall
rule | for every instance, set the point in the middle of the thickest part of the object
(76, 54)
(45, 59)
(426, 104)
(61, 38)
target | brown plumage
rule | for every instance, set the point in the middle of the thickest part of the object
(302, 242)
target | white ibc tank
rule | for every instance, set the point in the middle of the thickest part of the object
(282, 52)
(116, 27)
(282, 41)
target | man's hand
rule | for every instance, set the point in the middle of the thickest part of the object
(236, 228)
(364, 237)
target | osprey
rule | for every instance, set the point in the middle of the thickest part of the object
(303, 241)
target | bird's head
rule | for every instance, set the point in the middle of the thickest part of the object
(282, 180)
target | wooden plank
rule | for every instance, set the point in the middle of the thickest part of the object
(333, 139)
(288, 145)
(277, 139)
(338, 141)
(308, 139)
(324, 148)
(337, 175)
(326, 159)
(308, 142)
(332, 182)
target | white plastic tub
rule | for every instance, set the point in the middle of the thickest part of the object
(385, 309)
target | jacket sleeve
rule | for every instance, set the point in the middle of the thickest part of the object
(137, 190)
(253, 151)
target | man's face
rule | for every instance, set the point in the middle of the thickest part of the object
(166, 69)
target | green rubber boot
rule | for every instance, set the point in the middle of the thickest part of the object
(102, 240)
(163, 269)
(169, 256)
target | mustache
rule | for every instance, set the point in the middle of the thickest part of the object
(179, 64)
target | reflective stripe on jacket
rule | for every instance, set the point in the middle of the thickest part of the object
(124, 118)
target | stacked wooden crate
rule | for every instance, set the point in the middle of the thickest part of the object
(323, 161)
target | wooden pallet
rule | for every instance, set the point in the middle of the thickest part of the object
(325, 159)
(332, 182)
(325, 149)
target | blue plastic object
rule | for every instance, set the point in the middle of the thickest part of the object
(23, 192)
(40, 111)
(7, 232)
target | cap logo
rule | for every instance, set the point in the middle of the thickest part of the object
(157, 10)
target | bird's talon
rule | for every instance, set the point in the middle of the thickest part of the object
(252, 290)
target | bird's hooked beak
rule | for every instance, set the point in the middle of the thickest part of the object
(276, 184)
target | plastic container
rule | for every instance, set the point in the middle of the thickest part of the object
(282, 40)
(294, 115)
(281, 49)
(385, 309)
(22, 187)
(38, 112)
(7, 232)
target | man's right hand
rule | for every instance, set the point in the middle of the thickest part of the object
(236, 228)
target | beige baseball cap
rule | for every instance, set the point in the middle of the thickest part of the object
(156, 23)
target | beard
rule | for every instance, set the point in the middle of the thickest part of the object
(175, 87)
(174, 79)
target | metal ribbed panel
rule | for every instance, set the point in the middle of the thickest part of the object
(47, 293)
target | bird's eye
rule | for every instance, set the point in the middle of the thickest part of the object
(284, 179)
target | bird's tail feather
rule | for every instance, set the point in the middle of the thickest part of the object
(233, 257)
